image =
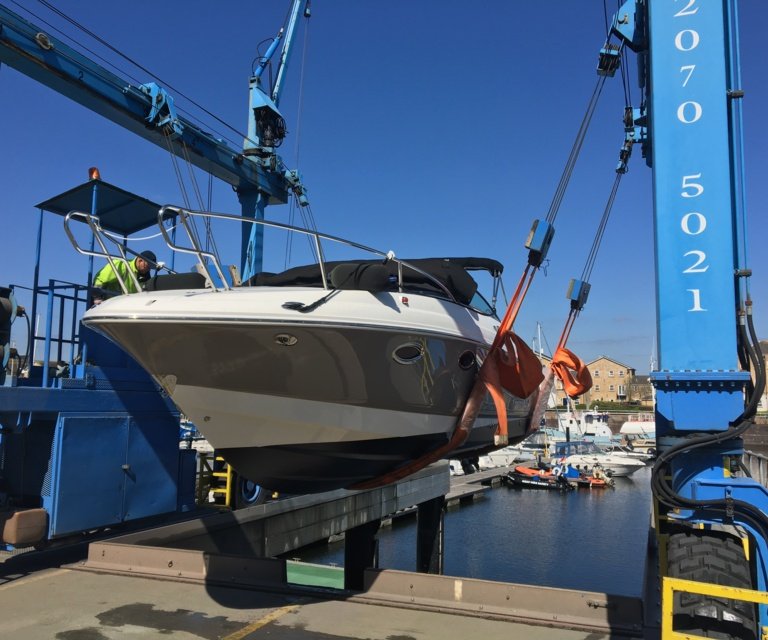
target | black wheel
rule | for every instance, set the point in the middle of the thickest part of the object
(716, 558)
(248, 493)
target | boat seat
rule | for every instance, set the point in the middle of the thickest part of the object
(169, 281)
(361, 277)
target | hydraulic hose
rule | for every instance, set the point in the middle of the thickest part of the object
(747, 513)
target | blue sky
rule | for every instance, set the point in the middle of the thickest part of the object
(429, 128)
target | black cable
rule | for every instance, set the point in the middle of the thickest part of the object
(259, 57)
(743, 355)
(758, 352)
(30, 342)
(668, 496)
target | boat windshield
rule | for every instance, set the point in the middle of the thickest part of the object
(579, 447)
(481, 305)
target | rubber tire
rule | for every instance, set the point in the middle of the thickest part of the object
(716, 558)
(247, 493)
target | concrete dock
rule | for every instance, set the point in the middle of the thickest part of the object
(175, 582)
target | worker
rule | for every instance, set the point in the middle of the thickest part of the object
(107, 279)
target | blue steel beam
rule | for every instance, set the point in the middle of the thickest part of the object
(690, 72)
(29, 50)
(694, 220)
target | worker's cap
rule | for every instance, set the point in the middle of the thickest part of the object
(149, 256)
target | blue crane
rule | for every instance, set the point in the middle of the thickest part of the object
(711, 520)
(101, 406)
(256, 172)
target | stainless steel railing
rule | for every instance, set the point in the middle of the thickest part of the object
(205, 258)
(101, 237)
(186, 216)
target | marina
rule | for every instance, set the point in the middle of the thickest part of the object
(218, 421)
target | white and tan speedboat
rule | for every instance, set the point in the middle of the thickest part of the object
(322, 376)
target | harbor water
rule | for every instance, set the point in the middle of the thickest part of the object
(592, 540)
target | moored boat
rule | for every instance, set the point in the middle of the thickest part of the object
(563, 477)
(585, 455)
(522, 477)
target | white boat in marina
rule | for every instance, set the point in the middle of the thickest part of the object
(626, 451)
(584, 455)
(585, 424)
(644, 426)
(640, 434)
(322, 376)
(506, 457)
(540, 444)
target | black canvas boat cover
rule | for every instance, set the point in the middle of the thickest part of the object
(377, 275)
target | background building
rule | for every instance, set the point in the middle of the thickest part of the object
(612, 381)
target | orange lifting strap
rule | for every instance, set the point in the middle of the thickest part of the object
(509, 364)
(512, 366)
(564, 364)
(567, 366)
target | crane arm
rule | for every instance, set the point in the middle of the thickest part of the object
(146, 110)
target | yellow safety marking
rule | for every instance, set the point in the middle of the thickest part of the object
(258, 624)
(20, 582)
(670, 585)
(745, 545)
(726, 467)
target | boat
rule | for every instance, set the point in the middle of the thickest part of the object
(643, 445)
(539, 444)
(640, 434)
(562, 477)
(585, 424)
(522, 477)
(322, 376)
(626, 451)
(584, 455)
(506, 456)
(642, 426)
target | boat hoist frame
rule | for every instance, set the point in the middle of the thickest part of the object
(256, 172)
(101, 399)
(691, 135)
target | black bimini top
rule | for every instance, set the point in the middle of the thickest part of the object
(376, 275)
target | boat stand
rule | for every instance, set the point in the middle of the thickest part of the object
(245, 547)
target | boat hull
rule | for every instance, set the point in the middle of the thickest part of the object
(309, 402)
(616, 468)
